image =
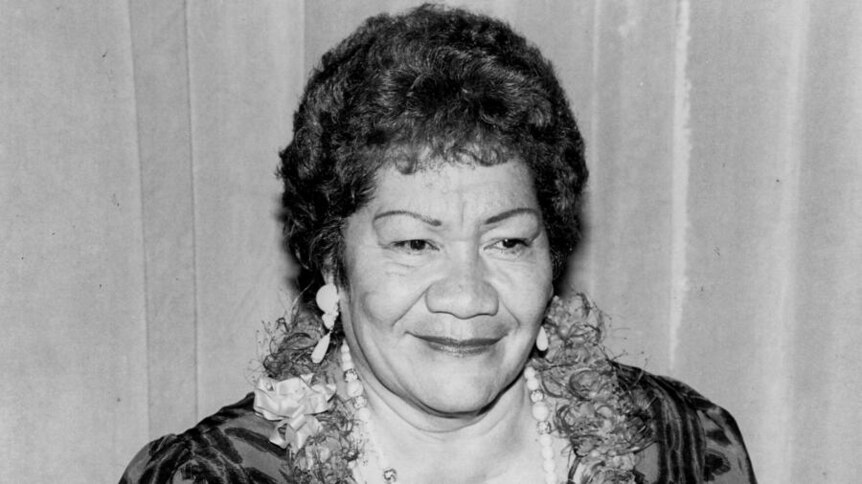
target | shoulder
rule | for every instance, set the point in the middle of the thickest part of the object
(695, 440)
(232, 446)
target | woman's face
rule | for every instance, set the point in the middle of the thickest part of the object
(449, 274)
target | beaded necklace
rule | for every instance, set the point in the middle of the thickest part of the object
(365, 429)
(604, 420)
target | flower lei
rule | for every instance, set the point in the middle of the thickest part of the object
(604, 422)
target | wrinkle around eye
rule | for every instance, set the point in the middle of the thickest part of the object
(511, 247)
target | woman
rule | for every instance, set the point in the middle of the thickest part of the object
(431, 198)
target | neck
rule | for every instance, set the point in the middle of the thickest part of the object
(497, 443)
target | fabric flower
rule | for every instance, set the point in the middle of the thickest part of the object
(294, 402)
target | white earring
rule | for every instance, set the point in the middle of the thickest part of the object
(542, 339)
(327, 300)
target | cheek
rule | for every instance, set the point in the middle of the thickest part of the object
(528, 284)
(380, 298)
(527, 299)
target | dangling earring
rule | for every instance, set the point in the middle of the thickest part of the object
(327, 301)
(542, 339)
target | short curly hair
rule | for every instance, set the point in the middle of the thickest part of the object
(432, 84)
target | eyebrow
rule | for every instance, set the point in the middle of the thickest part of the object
(390, 213)
(436, 223)
(512, 213)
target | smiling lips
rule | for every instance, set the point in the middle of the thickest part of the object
(460, 347)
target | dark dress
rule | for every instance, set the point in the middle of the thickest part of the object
(695, 441)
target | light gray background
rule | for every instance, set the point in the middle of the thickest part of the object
(140, 254)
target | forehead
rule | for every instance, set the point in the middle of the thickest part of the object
(441, 188)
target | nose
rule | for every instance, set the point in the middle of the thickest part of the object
(463, 290)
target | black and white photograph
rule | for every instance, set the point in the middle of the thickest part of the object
(456, 242)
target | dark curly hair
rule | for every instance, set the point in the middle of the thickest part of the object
(432, 85)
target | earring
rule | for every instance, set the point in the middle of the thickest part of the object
(327, 301)
(542, 339)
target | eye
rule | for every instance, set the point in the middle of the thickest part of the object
(512, 243)
(512, 247)
(414, 246)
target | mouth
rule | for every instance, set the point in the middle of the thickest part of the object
(460, 347)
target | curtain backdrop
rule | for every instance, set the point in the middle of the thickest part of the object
(140, 247)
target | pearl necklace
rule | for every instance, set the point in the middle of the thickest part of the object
(362, 415)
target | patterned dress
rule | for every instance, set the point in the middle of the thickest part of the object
(695, 442)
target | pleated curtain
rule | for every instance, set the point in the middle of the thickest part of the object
(141, 257)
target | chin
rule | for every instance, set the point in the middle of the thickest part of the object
(461, 395)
